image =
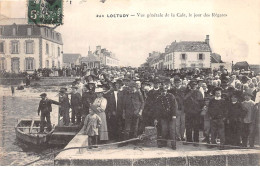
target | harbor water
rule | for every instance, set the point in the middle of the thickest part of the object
(23, 104)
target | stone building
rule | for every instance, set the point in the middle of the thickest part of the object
(188, 54)
(71, 59)
(26, 47)
(90, 61)
(106, 57)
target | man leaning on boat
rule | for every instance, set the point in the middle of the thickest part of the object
(45, 109)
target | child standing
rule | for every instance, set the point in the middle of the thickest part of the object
(217, 114)
(249, 121)
(91, 124)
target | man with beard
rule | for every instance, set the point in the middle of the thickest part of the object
(165, 117)
(193, 103)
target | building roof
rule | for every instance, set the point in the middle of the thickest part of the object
(90, 58)
(254, 66)
(45, 32)
(71, 57)
(189, 46)
(241, 64)
(216, 58)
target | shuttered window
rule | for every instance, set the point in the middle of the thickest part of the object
(29, 62)
(183, 56)
(15, 47)
(29, 31)
(2, 47)
(58, 51)
(200, 56)
(29, 47)
(47, 48)
(2, 64)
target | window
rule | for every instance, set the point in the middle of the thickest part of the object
(14, 47)
(47, 48)
(52, 50)
(201, 56)
(58, 51)
(14, 31)
(29, 63)
(29, 47)
(201, 65)
(47, 64)
(52, 63)
(29, 31)
(46, 32)
(2, 64)
(183, 56)
(1, 31)
(1, 47)
(58, 36)
(59, 64)
(170, 57)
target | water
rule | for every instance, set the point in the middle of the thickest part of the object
(23, 105)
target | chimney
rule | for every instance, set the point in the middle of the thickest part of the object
(207, 39)
(98, 48)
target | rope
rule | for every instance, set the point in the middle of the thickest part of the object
(141, 137)
(71, 148)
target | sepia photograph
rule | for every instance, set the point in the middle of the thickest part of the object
(129, 83)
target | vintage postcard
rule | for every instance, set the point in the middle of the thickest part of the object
(129, 83)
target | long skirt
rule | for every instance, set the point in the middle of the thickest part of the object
(103, 133)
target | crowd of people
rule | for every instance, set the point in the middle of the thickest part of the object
(118, 103)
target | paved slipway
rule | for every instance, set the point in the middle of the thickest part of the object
(23, 104)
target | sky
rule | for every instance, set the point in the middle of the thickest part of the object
(235, 37)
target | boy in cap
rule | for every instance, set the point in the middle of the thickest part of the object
(64, 106)
(45, 109)
(217, 109)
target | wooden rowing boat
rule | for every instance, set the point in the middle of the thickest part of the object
(28, 130)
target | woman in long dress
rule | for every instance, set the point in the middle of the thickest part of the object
(99, 106)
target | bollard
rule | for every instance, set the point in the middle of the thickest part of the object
(151, 140)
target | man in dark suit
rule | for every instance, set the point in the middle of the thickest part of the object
(114, 110)
(165, 117)
(45, 109)
(150, 106)
(75, 105)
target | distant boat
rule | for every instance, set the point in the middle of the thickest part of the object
(27, 130)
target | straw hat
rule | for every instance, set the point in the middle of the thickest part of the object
(99, 90)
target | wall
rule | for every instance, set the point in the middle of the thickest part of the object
(52, 55)
(111, 61)
(191, 57)
(21, 52)
(169, 61)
